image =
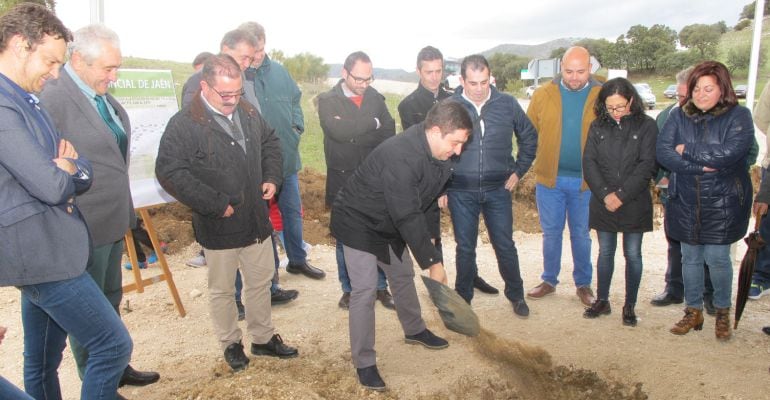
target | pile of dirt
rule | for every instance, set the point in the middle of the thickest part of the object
(173, 221)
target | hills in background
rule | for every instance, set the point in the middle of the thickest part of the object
(541, 50)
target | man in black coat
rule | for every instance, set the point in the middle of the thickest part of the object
(389, 203)
(219, 157)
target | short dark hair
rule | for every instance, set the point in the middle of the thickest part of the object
(220, 65)
(429, 53)
(623, 88)
(201, 58)
(720, 74)
(355, 57)
(449, 115)
(32, 22)
(476, 62)
(232, 38)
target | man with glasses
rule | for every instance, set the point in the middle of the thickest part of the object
(219, 157)
(354, 119)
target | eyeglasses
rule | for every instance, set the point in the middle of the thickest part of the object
(361, 80)
(227, 96)
(619, 109)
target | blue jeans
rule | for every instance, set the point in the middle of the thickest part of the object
(717, 256)
(605, 264)
(495, 204)
(342, 272)
(49, 312)
(9, 391)
(290, 204)
(555, 205)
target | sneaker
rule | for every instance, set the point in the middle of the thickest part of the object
(152, 259)
(386, 299)
(282, 296)
(370, 378)
(344, 301)
(427, 339)
(235, 357)
(758, 289)
(142, 265)
(197, 261)
(520, 308)
(274, 348)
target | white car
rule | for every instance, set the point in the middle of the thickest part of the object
(530, 91)
(645, 92)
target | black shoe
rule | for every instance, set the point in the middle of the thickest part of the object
(665, 299)
(235, 357)
(629, 317)
(274, 348)
(281, 296)
(344, 302)
(483, 286)
(427, 339)
(520, 308)
(133, 377)
(599, 307)
(766, 330)
(386, 299)
(306, 269)
(708, 306)
(241, 310)
(370, 378)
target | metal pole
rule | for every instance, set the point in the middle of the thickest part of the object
(97, 11)
(759, 12)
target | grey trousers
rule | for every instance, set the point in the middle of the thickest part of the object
(362, 269)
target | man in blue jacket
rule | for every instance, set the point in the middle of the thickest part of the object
(485, 176)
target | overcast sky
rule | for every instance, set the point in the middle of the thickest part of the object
(390, 31)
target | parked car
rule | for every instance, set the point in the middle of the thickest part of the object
(740, 91)
(670, 92)
(530, 90)
(646, 94)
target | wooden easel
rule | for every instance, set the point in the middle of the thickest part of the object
(165, 275)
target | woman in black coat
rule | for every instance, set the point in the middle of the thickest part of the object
(618, 163)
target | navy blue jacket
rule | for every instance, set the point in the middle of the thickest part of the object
(487, 160)
(707, 207)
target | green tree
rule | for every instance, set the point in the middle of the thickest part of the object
(599, 48)
(674, 62)
(558, 52)
(702, 37)
(748, 10)
(6, 5)
(506, 69)
(647, 45)
(739, 57)
(306, 67)
(277, 55)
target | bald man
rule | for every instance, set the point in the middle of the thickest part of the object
(562, 111)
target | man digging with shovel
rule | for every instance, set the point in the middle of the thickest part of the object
(389, 203)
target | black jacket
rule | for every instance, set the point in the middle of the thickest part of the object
(707, 207)
(620, 158)
(204, 168)
(391, 200)
(350, 132)
(414, 107)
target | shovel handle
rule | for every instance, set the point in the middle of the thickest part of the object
(758, 221)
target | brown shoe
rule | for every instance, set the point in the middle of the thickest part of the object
(586, 295)
(541, 290)
(693, 319)
(723, 324)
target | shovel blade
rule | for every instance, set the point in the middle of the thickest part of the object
(457, 315)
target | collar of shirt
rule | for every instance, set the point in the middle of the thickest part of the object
(214, 110)
(87, 90)
(30, 98)
(478, 106)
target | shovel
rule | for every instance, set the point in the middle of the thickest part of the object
(457, 315)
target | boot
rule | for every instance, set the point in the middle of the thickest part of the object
(723, 324)
(629, 317)
(693, 319)
(599, 307)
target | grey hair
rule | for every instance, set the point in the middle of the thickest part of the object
(254, 28)
(681, 76)
(88, 41)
